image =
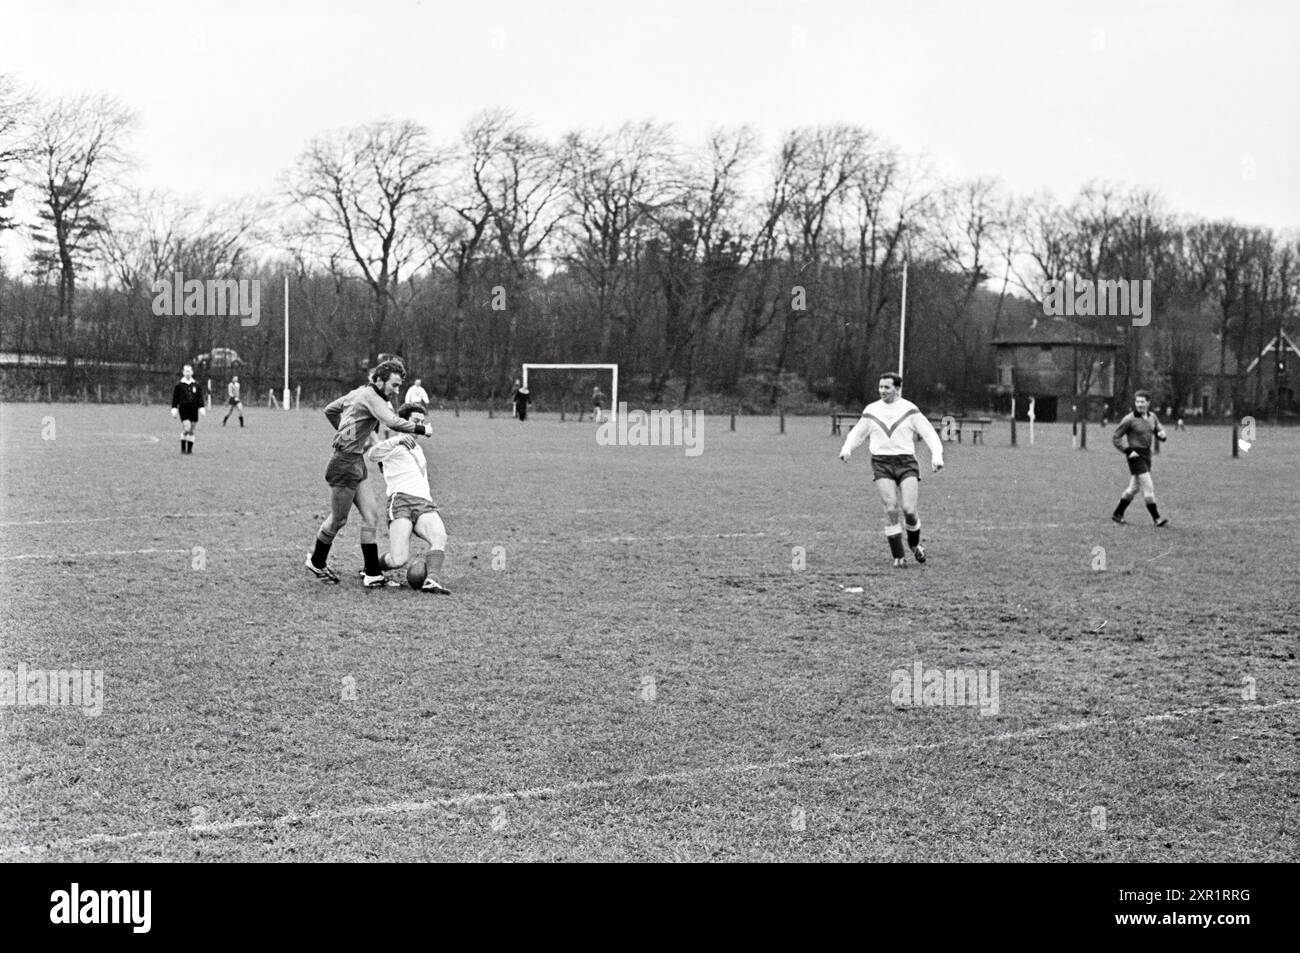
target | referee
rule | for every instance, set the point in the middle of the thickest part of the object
(187, 404)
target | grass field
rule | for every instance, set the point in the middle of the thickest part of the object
(629, 667)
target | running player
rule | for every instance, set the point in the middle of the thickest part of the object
(232, 398)
(356, 415)
(893, 425)
(410, 504)
(187, 404)
(1133, 438)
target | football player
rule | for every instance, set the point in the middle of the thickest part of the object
(1133, 438)
(356, 416)
(187, 404)
(232, 398)
(410, 504)
(893, 424)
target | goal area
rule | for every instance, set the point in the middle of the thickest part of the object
(612, 368)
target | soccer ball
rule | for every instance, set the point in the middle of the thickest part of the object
(416, 573)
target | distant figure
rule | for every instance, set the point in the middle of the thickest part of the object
(416, 395)
(1134, 437)
(597, 400)
(187, 404)
(1180, 425)
(232, 390)
(520, 399)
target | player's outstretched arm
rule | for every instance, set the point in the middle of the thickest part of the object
(855, 438)
(380, 410)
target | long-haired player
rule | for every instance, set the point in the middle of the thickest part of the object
(356, 416)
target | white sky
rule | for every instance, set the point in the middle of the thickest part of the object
(1182, 96)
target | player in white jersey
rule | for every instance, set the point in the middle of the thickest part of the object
(410, 504)
(893, 426)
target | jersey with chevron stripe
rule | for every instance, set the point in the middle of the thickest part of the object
(892, 429)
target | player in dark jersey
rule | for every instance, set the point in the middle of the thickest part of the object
(1133, 438)
(356, 416)
(187, 404)
(520, 399)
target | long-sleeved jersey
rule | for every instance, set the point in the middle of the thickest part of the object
(187, 395)
(358, 413)
(1139, 431)
(232, 390)
(405, 468)
(893, 429)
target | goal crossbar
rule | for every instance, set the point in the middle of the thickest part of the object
(613, 387)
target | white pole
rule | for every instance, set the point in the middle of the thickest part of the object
(613, 398)
(902, 321)
(288, 404)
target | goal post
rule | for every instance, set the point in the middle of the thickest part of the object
(613, 387)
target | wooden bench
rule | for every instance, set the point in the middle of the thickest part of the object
(975, 426)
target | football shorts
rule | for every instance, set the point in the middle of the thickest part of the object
(346, 470)
(403, 506)
(896, 467)
(190, 413)
(1139, 464)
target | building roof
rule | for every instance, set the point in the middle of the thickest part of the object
(1044, 330)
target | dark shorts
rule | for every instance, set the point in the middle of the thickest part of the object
(403, 506)
(894, 467)
(1139, 464)
(234, 402)
(190, 413)
(346, 470)
(596, 403)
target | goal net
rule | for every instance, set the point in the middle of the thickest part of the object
(582, 400)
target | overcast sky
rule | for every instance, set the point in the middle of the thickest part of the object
(1189, 97)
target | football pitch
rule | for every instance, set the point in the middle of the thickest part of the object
(647, 655)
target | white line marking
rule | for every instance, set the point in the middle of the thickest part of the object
(626, 781)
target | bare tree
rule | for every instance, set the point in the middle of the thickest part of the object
(76, 151)
(361, 191)
(616, 184)
(16, 111)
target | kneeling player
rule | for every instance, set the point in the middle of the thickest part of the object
(1134, 437)
(893, 424)
(410, 505)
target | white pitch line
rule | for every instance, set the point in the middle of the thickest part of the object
(626, 781)
(470, 543)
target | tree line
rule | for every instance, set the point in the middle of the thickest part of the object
(724, 269)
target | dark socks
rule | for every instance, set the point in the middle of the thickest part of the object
(1124, 501)
(321, 554)
(1155, 513)
(896, 544)
(370, 552)
(913, 531)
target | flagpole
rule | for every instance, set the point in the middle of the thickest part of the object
(902, 321)
(288, 404)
